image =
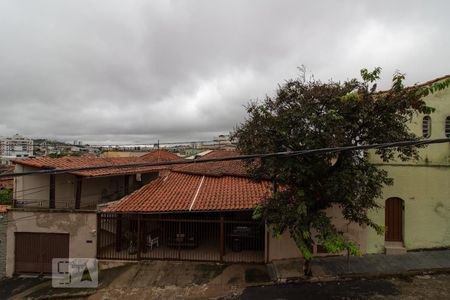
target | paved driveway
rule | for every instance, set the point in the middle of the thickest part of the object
(182, 280)
(150, 280)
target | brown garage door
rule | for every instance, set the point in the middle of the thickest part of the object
(34, 251)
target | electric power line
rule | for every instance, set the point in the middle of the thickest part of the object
(145, 145)
(238, 157)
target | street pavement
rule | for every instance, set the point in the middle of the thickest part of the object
(189, 280)
(434, 287)
(383, 264)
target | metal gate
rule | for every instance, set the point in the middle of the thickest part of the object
(207, 237)
(34, 251)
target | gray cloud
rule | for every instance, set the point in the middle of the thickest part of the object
(136, 71)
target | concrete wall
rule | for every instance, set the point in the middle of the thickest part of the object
(98, 190)
(80, 225)
(438, 154)
(423, 185)
(284, 247)
(64, 191)
(94, 188)
(34, 190)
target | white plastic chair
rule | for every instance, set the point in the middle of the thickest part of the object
(150, 242)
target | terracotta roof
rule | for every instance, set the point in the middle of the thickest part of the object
(3, 208)
(82, 162)
(5, 168)
(7, 182)
(160, 155)
(220, 168)
(179, 192)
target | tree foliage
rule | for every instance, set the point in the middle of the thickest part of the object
(6, 197)
(312, 114)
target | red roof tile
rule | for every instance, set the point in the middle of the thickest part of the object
(4, 208)
(85, 162)
(160, 156)
(219, 168)
(7, 184)
(178, 192)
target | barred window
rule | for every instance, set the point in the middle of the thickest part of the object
(426, 126)
(447, 126)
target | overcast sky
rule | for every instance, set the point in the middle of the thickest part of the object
(135, 71)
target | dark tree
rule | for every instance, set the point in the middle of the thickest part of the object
(6, 197)
(309, 115)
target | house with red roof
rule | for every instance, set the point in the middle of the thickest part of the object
(55, 215)
(197, 211)
(200, 211)
(83, 189)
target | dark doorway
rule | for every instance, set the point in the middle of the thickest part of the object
(394, 220)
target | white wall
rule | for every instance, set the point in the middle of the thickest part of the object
(284, 247)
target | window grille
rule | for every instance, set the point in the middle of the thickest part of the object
(426, 126)
(447, 126)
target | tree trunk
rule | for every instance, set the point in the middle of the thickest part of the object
(307, 268)
(305, 245)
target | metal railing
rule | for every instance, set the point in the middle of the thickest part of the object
(226, 237)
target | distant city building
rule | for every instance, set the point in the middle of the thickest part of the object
(221, 142)
(16, 146)
(223, 138)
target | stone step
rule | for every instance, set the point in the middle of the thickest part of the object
(394, 248)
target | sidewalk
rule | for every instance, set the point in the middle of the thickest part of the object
(367, 265)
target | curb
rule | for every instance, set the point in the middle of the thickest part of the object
(407, 273)
(274, 275)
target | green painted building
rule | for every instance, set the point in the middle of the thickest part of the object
(416, 209)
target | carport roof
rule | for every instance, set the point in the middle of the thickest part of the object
(182, 192)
